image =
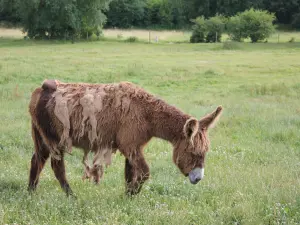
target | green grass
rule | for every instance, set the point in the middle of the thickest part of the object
(252, 170)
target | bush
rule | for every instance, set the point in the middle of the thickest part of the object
(87, 31)
(292, 40)
(199, 30)
(132, 39)
(254, 24)
(209, 30)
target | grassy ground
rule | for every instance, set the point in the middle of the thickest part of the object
(252, 170)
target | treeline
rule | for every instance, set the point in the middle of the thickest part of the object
(178, 13)
(163, 13)
(82, 18)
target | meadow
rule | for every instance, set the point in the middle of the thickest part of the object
(253, 167)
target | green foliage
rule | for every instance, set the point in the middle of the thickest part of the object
(207, 30)
(150, 13)
(232, 7)
(125, 13)
(58, 19)
(283, 9)
(254, 24)
(199, 30)
(215, 27)
(234, 28)
(8, 11)
(296, 21)
(178, 13)
(158, 12)
(146, 13)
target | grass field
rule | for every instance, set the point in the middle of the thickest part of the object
(252, 170)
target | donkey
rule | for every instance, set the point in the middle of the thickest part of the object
(105, 118)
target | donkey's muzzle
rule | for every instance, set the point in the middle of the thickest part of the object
(196, 175)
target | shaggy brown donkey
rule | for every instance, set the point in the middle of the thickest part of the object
(104, 118)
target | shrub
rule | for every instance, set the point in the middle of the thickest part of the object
(87, 31)
(254, 24)
(292, 40)
(132, 39)
(209, 30)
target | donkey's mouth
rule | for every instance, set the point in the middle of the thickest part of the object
(196, 175)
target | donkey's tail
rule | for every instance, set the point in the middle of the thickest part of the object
(50, 85)
(39, 114)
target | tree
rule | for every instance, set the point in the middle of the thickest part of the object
(232, 7)
(152, 16)
(126, 13)
(179, 13)
(55, 19)
(296, 21)
(91, 15)
(8, 11)
(283, 9)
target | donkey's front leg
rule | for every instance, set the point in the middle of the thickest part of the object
(136, 173)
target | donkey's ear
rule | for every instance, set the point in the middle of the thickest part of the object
(209, 120)
(191, 127)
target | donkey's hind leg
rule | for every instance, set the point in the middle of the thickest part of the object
(38, 159)
(87, 172)
(58, 167)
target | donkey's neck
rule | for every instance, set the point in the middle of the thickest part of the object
(168, 123)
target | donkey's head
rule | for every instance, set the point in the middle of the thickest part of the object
(189, 152)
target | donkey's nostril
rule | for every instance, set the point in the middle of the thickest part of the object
(196, 175)
(198, 179)
(195, 180)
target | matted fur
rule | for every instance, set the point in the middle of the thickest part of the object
(111, 117)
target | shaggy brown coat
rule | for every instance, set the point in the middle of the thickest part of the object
(103, 118)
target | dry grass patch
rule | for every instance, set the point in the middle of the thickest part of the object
(11, 33)
(163, 35)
